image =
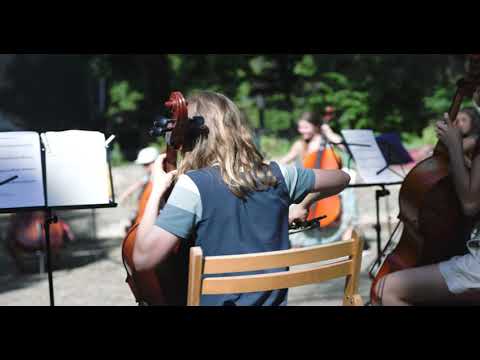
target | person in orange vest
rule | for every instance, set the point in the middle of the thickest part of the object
(316, 134)
(26, 236)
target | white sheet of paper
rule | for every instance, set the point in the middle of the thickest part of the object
(77, 168)
(370, 159)
(20, 154)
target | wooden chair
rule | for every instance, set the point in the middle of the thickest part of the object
(344, 260)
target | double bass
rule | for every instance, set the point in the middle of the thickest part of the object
(167, 284)
(435, 227)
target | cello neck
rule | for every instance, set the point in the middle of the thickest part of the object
(465, 87)
(440, 148)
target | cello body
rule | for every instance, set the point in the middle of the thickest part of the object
(145, 280)
(160, 286)
(166, 285)
(142, 202)
(332, 206)
(435, 228)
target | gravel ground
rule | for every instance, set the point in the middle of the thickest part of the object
(90, 271)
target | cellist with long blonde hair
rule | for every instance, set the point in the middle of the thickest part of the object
(226, 197)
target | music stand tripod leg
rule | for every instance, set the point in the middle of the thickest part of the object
(378, 227)
(50, 219)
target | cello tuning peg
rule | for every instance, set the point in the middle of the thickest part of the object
(161, 122)
(160, 126)
(204, 130)
(198, 121)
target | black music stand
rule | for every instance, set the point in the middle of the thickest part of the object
(381, 193)
(394, 153)
(50, 218)
(349, 151)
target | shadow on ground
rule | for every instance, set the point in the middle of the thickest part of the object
(31, 268)
(82, 253)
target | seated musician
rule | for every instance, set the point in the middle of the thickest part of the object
(227, 198)
(27, 235)
(454, 280)
(314, 130)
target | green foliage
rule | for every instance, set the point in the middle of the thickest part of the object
(352, 104)
(175, 63)
(116, 156)
(273, 147)
(160, 144)
(383, 92)
(260, 65)
(440, 101)
(123, 99)
(428, 137)
(276, 119)
(306, 67)
(336, 90)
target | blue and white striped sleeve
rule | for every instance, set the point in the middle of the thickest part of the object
(300, 182)
(183, 209)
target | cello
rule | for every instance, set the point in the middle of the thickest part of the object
(167, 284)
(435, 227)
(142, 202)
(330, 207)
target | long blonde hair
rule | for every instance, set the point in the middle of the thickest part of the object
(228, 145)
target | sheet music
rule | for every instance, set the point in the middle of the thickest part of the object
(370, 159)
(20, 155)
(77, 168)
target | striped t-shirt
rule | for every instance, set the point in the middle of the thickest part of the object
(183, 210)
(203, 208)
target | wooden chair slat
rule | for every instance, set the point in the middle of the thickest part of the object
(276, 260)
(275, 281)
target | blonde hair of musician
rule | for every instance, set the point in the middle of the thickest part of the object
(228, 145)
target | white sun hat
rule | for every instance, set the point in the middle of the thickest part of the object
(147, 156)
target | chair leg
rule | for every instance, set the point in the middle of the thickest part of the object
(195, 276)
(355, 300)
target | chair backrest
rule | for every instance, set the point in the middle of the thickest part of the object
(343, 259)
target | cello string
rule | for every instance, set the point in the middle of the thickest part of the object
(378, 261)
(387, 205)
